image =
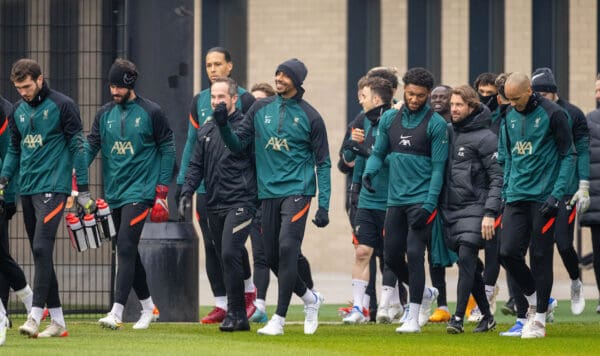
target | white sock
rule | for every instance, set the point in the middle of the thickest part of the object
(309, 297)
(249, 285)
(395, 295)
(489, 290)
(117, 310)
(261, 305)
(366, 301)
(147, 304)
(221, 302)
(575, 282)
(26, 297)
(359, 287)
(532, 299)
(540, 317)
(2, 310)
(386, 296)
(57, 316)
(36, 314)
(279, 318)
(427, 293)
(444, 307)
(414, 311)
(522, 320)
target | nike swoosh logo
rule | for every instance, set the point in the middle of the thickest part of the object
(297, 199)
(268, 116)
(47, 200)
(402, 137)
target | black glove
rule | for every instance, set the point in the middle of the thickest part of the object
(367, 183)
(321, 217)
(550, 207)
(177, 193)
(3, 183)
(220, 114)
(421, 219)
(185, 202)
(354, 193)
(357, 148)
(10, 209)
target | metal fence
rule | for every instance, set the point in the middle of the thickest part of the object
(75, 41)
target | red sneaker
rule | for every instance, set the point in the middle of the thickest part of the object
(215, 316)
(250, 297)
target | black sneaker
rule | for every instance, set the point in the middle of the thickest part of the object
(235, 322)
(486, 324)
(455, 325)
(510, 308)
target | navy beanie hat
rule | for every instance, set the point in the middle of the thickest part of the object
(121, 76)
(542, 80)
(295, 69)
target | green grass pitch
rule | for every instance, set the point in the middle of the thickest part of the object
(570, 335)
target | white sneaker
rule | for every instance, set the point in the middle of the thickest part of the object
(273, 327)
(552, 305)
(475, 316)
(110, 321)
(409, 326)
(395, 312)
(406, 314)
(355, 317)
(492, 299)
(54, 330)
(146, 318)
(429, 295)
(533, 329)
(577, 299)
(383, 315)
(311, 315)
(3, 328)
(30, 328)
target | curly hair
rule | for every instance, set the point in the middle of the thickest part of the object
(420, 77)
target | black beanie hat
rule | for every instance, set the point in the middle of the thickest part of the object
(295, 69)
(122, 74)
(542, 80)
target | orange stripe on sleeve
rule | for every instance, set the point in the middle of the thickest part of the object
(54, 212)
(548, 225)
(139, 218)
(4, 126)
(432, 216)
(301, 213)
(498, 221)
(193, 122)
(572, 216)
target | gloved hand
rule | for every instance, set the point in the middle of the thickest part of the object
(185, 202)
(3, 184)
(178, 194)
(357, 148)
(421, 219)
(10, 209)
(160, 210)
(321, 217)
(367, 183)
(354, 193)
(582, 197)
(550, 207)
(220, 114)
(84, 199)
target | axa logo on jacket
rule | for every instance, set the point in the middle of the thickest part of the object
(522, 148)
(277, 144)
(122, 147)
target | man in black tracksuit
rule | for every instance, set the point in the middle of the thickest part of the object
(535, 149)
(471, 199)
(230, 181)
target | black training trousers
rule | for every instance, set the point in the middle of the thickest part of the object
(11, 274)
(563, 236)
(230, 230)
(130, 219)
(214, 270)
(470, 280)
(524, 227)
(42, 214)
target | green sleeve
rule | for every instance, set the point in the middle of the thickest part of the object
(359, 168)
(582, 145)
(80, 162)
(324, 183)
(438, 131)
(190, 143)
(381, 146)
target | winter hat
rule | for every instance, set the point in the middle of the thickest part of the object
(123, 74)
(542, 80)
(295, 69)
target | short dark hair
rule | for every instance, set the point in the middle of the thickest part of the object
(361, 82)
(232, 84)
(222, 50)
(381, 87)
(386, 73)
(264, 87)
(420, 77)
(486, 78)
(23, 68)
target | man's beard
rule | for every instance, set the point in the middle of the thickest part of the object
(122, 99)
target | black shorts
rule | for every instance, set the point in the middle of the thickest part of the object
(368, 227)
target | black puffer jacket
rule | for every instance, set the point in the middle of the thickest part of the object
(473, 184)
(592, 216)
(230, 178)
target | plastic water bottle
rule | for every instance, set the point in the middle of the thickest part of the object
(106, 224)
(91, 231)
(76, 232)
